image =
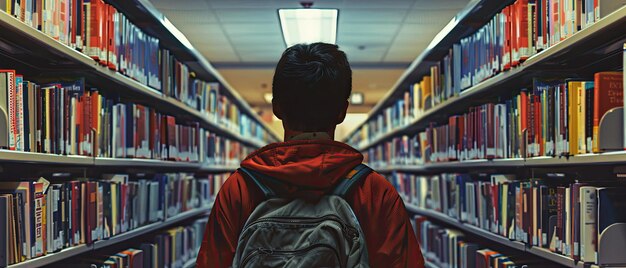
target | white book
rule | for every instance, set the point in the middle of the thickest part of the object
(588, 210)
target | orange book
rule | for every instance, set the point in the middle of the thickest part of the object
(94, 121)
(607, 94)
(111, 50)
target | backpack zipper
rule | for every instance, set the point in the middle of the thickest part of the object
(348, 231)
(264, 251)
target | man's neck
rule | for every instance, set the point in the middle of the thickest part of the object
(301, 135)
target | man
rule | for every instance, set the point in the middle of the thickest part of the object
(311, 87)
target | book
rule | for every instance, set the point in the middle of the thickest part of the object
(608, 90)
(513, 35)
(560, 215)
(43, 219)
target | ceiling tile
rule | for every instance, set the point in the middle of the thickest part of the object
(410, 29)
(425, 16)
(247, 15)
(259, 56)
(251, 28)
(273, 39)
(238, 4)
(366, 55)
(180, 4)
(377, 4)
(364, 40)
(368, 28)
(371, 15)
(197, 16)
(404, 53)
(441, 4)
(219, 54)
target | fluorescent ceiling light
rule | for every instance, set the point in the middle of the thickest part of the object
(357, 98)
(268, 97)
(308, 25)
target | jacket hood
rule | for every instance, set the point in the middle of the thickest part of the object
(312, 164)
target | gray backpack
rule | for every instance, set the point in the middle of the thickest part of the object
(285, 233)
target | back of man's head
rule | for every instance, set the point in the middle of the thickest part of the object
(312, 84)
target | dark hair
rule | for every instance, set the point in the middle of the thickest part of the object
(311, 85)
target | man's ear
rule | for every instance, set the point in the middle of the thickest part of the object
(277, 110)
(342, 114)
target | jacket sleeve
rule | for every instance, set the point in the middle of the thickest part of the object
(231, 208)
(391, 241)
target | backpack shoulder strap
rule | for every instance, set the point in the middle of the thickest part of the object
(354, 176)
(257, 178)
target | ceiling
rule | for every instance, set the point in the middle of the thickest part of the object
(242, 38)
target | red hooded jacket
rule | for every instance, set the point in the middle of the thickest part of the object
(317, 164)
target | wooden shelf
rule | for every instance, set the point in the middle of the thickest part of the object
(80, 249)
(602, 36)
(495, 238)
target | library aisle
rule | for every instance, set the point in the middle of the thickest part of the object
(500, 123)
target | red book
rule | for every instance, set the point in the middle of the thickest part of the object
(79, 124)
(75, 210)
(52, 116)
(40, 116)
(163, 137)
(563, 19)
(555, 31)
(491, 132)
(514, 34)
(140, 134)
(560, 217)
(11, 109)
(94, 115)
(92, 207)
(171, 137)
(111, 46)
(153, 134)
(522, 29)
(124, 208)
(84, 214)
(537, 121)
(86, 125)
(462, 134)
(94, 46)
(67, 123)
(73, 24)
(506, 50)
(607, 94)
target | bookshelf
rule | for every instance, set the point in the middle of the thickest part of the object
(40, 57)
(84, 248)
(606, 34)
(47, 52)
(540, 252)
(393, 129)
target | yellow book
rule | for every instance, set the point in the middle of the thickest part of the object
(427, 96)
(417, 100)
(8, 8)
(572, 115)
(114, 217)
(582, 110)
